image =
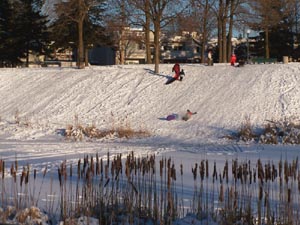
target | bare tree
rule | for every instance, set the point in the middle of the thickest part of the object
(222, 17)
(77, 11)
(147, 31)
(139, 16)
(235, 9)
(204, 20)
(154, 14)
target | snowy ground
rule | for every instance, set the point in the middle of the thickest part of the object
(38, 103)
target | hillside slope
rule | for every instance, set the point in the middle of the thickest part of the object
(223, 96)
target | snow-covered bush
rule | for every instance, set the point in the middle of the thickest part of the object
(274, 132)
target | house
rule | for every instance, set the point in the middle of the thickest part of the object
(181, 48)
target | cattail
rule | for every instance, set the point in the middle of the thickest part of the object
(286, 171)
(221, 195)
(64, 170)
(78, 168)
(245, 172)
(112, 169)
(71, 170)
(280, 168)
(127, 169)
(234, 169)
(107, 181)
(27, 175)
(12, 169)
(206, 168)
(106, 171)
(169, 163)
(15, 176)
(299, 182)
(260, 195)
(16, 165)
(240, 173)
(3, 169)
(161, 166)
(260, 171)
(45, 171)
(266, 199)
(92, 166)
(194, 171)
(101, 166)
(202, 170)
(215, 175)
(169, 178)
(134, 188)
(23, 176)
(107, 158)
(88, 177)
(173, 172)
(59, 176)
(225, 171)
(97, 164)
(181, 169)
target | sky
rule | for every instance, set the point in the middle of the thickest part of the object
(38, 104)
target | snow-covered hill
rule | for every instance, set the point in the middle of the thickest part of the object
(223, 97)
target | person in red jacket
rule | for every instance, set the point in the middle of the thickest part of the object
(233, 59)
(176, 69)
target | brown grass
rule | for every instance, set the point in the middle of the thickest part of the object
(124, 130)
(273, 132)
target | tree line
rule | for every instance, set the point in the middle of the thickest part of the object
(26, 27)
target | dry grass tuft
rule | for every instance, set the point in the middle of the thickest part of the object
(79, 132)
(246, 132)
(274, 132)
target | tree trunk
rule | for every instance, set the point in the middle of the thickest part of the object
(122, 34)
(204, 32)
(224, 31)
(224, 41)
(220, 42)
(267, 50)
(80, 45)
(122, 46)
(157, 44)
(147, 33)
(86, 57)
(229, 43)
(27, 56)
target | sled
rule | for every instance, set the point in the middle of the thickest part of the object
(172, 117)
(171, 80)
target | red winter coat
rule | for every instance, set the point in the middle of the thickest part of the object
(176, 69)
(233, 59)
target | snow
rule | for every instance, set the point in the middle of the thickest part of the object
(37, 104)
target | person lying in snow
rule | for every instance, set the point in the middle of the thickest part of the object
(184, 117)
(188, 115)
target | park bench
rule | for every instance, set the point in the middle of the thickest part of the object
(260, 60)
